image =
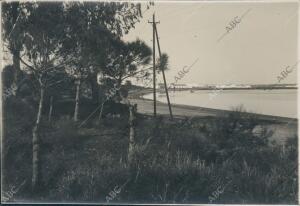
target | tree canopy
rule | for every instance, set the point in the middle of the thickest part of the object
(127, 60)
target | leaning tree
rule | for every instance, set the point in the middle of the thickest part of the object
(43, 57)
(50, 33)
(93, 26)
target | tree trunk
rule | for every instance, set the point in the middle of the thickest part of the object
(36, 173)
(100, 113)
(131, 146)
(94, 88)
(119, 97)
(17, 70)
(76, 111)
(50, 109)
(15, 45)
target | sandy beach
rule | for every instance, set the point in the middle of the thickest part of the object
(282, 127)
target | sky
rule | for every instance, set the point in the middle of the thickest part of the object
(254, 51)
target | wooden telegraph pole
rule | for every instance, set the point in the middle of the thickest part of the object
(155, 36)
(154, 68)
(163, 72)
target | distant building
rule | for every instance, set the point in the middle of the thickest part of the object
(161, 85)
(179, 86)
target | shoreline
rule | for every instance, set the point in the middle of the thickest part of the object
(282, 128)
(137, 97)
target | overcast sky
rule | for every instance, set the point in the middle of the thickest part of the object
(262, 45)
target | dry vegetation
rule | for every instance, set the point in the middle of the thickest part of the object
(184, 161)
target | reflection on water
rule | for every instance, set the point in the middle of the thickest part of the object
(271, 102)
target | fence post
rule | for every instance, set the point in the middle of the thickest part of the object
(132, 123)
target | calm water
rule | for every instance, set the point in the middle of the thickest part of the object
(271, 102)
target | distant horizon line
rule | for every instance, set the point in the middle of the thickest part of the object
(212, 84)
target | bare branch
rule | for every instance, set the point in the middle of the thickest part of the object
(132, 74)
(57, 82)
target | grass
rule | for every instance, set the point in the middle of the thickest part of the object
(175, 162)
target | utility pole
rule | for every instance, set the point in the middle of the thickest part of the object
(163, 72)
(154, 68)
